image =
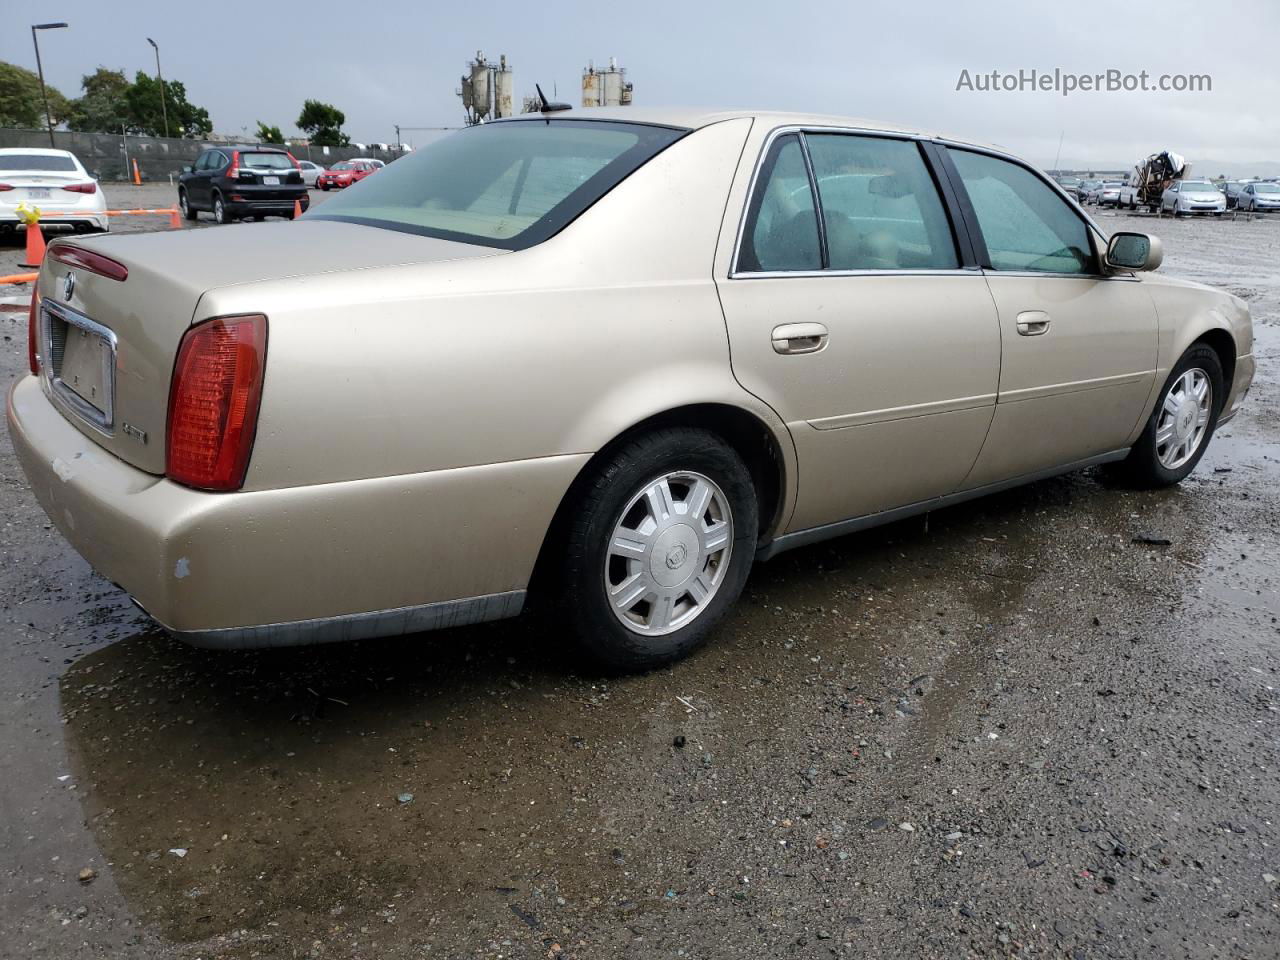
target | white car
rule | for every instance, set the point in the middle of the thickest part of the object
(1185, 197)
(1260, 196)
(56, 183)
(310, 171)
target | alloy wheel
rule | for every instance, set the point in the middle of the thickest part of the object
(669, 553)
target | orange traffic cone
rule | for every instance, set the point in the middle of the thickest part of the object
(137, 177)
(35, 246)
(297, 209)
(175, 221)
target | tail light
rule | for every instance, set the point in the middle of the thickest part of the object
(5, 186)
(33, 324)
(233, 171)
(81, 187)
(294, 161)
(213, 402)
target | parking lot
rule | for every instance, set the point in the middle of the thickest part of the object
(1044, 723)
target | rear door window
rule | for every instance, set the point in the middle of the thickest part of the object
(781, 230)
(880, 206)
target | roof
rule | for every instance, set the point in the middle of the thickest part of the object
(693, 118)
(38, 151)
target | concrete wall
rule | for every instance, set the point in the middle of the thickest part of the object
(104, 154)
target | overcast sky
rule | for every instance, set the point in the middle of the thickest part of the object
(398, 61)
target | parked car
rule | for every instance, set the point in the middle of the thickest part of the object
(1186, 197)
(1231, 192)
(1260, 196)
(1085, 192)
(310, 171)
(459, 385)
(345, 173)
(1070, 185)
(1108, 194)
(236, 182)
(54, 181)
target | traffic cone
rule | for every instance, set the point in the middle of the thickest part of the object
(175, 221)
(297, 209)
(35, 246)
(137, 177)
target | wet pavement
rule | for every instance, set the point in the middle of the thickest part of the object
(1008, 729)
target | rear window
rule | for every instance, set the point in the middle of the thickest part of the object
(36, 161)
(508, 185)
(266, 161)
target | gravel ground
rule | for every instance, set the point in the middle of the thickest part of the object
(1006, 730)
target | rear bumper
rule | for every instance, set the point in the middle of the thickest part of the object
(299, 565)
(60, 218)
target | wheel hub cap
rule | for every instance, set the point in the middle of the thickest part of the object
(1182, 422)
(669, 553)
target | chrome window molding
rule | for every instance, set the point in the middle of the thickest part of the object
(100, 419)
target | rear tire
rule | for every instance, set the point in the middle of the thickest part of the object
(220, 212)
(657, 547)
(1155, 460)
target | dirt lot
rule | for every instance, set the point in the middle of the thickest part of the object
(1008, 730)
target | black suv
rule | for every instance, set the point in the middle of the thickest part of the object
(235, 182)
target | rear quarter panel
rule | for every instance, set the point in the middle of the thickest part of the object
(549, 351)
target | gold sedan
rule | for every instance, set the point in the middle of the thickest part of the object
(620, 358)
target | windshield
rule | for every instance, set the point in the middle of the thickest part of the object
(510, 185)
(1198, 186)
(269, 161)
(344, 165)
(1265, 188)
(36, 161)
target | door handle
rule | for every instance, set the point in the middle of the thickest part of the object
(1033, 323)
(794, 338)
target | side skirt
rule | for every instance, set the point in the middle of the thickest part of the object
(360, 626)
(802, 538)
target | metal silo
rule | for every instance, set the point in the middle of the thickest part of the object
(590, 87)
(612, 85)
(480, 87)
(503, 105)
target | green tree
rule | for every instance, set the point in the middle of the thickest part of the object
(146, 110)
(269, 134)
(20, 101)
(322, 122)
(103, 108)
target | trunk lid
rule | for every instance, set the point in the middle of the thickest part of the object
(108, 346)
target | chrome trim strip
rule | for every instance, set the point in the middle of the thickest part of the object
(359, 626)
(890, 414)
(802, 538)
(102, 420)
(903, 272)
(1076, 386)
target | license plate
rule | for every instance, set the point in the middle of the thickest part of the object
(271, 181)
(38, 193)
(80, 357)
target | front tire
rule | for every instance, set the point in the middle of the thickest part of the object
(1182, 424)
(184, 204)
(658, 544)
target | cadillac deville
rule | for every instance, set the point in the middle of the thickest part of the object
(607, 360)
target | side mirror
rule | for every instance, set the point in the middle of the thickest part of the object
(1134, 251)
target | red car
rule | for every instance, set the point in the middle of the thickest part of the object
(346, 173)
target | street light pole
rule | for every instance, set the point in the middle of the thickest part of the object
(35, 40)
(164, 109)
